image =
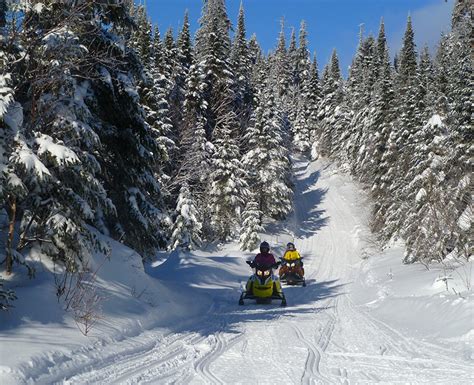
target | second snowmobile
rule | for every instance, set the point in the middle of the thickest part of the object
(291, 272)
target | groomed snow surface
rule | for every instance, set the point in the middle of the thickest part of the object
(363, 318)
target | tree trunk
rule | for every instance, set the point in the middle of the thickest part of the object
(11, 232)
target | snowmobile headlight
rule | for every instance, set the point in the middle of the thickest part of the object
(293, 264)
(259, 272)
(266, 272)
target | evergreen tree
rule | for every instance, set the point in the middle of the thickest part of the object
(187, 227)
(228, 186)
(426, 223)
(380, 125)
(170, 56)
(292, 54)
(401, 141)
(241, 67)
(196, 150)
(185, 47)
(213, 48)
(458, 167)
(214, 16)
(141, 37)
(314, 100)
(108, 171)
(440, 75)
(330, 108)
(157, 52)
(251, 226)
(359, 96)
(260, 69)
(184, 60)
(280, 72)
(302, 125)
(14, 168)
(267, 159)
(60, 124)
(153, 88)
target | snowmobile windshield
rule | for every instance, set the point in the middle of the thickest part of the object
(264, 267)
(291, 262)
(263, 273)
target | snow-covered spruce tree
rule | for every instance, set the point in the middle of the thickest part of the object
(170, 55)
(426, 227)
(303, 58)
(185, 52)
(228, 187)
(280, 72)
(213, 55)
(173, 74)
(153, 89)
(196, 151)
(12, 143)
(126, 160)
(380, 123)
(426, 224)
(186, 232)
(213, 11)
(372, 120)
(241, 67)
(302, 125)
(184, 60)
(424, 172)
(426, 87)
(331, 114)
(313, 105)
(58, 127)
(458, 167)
(292, 94)
(251, 225)
(267, 160)
(359, 95)
(157, 49)
(279, 82)
(441, 66)
(141, 36)
(6, 135)
(256, 60)
(401, 143)
(133, 147)
(292, 55)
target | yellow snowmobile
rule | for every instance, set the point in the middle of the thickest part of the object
(263, 286)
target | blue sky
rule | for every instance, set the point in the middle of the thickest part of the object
(330, 23)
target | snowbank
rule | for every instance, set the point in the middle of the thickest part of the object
(38, 334)
(434, 305)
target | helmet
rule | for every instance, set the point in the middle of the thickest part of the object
(264, 247)
(290, 246)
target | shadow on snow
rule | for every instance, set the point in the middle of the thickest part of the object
(213, 280)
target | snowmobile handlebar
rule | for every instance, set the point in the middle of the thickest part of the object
(252, 264)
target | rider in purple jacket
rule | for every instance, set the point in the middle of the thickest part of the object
(264, 258)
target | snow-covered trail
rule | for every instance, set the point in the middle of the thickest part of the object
(321, 337)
